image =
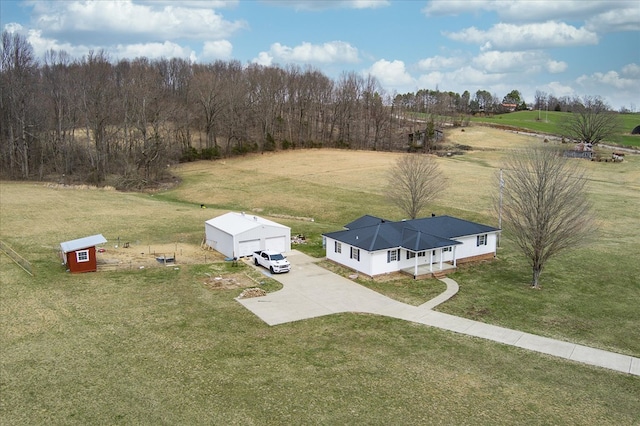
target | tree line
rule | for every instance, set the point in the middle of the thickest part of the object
(91, 119)
(121, 123)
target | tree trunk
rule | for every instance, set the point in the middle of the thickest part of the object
(535, 281)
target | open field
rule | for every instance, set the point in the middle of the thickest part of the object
(549, 122)
(167, 345)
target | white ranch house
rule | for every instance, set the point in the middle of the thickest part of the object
(420, 247)
(238, 235)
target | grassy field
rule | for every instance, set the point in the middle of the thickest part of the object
(157, 346)
(549, 122)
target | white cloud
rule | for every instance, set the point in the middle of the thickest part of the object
(528, 36)
(368, 4)
(510, 62)
(616, 20)
(559, 90)
(209, 4)
(631, 71)
(440, 62)
(463, 78)
(609, 79)
(454, 7)
(331, 52)
(119, 19)
(316, 5)
(41, 45)
(166, 49)
(390, 73)
(529, 11)
(220, 49)
(14, 27)
(264, 58)
(555, 67)
(152, 51)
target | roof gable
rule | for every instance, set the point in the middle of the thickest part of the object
(82, 243)
(364, 221)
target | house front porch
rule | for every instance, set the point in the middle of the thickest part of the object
(435, 270)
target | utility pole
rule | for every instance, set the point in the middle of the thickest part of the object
(546, 113)
(500, 207)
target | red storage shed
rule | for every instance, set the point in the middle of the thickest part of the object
(80, 255)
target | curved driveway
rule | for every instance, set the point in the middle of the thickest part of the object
(310, 291)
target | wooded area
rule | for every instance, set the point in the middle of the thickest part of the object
(122, 123)
(102, 122)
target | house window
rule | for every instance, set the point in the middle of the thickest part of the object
(446, 249)
(338, 247)
(355, 253)
(82, 256)
(481, 240)
(392, 256)
(422, 254)
(410, 255)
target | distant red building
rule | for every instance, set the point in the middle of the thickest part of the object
(80, 255)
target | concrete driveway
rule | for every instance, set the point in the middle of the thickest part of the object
(310, 291)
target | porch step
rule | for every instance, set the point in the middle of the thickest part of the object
(442, 274)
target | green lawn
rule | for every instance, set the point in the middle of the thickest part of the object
(156, 346)
(549, 122)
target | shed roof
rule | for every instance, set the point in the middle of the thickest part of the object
(236, 223)
(82, 243)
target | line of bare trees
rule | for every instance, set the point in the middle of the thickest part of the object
(97, 121)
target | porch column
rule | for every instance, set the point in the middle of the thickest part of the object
(415, 265)
(454, 256)
(441, 256)
(431, 260)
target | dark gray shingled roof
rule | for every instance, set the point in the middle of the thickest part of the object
(372, 234)
(365, 220)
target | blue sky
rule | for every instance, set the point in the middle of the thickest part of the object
(561, 47)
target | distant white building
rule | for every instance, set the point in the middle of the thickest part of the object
(239, 235)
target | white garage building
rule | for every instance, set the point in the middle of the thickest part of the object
(239, 234)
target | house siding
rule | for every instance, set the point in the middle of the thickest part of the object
(379, 264)
(344, 258)
(464, 249)
(470, 249)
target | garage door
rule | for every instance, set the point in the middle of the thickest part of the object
(275, 244)
(246, 248)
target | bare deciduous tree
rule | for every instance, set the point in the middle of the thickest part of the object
(591, 121)
(415, 180)
(545, 208)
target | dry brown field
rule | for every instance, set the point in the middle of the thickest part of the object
(170, 345)
(255, 181)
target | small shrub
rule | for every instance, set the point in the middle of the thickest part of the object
(269, 143)
(210, 153)
(189, 154)
(464, 147)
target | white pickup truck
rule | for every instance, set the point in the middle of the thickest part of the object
(275, 262)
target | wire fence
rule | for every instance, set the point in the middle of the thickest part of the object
(19, 260)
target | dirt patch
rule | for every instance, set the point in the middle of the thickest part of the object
(129, 255)
(252, 292)
(229, 282)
